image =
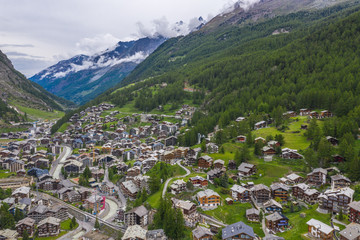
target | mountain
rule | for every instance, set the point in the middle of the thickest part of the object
(16, 89)
(301, 57)
(82, 77)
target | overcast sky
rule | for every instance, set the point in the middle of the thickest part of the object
(38, 33)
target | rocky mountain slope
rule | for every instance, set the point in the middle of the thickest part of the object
(82, 77)
(15, 88)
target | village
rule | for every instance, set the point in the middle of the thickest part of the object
(86, 181)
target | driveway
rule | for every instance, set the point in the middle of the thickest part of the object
(167, 181)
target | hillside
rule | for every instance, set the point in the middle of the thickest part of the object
(17, 91)
(83, 77)
(241, 69)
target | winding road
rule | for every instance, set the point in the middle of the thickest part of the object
(58, 163)
(167, 181)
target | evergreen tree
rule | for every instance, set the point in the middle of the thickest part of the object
(324, 152)
(258, 148)
(97, 224)
(25, 235)
(203, 146)
(280, 138)
(18, 215)
(249, 139)
(189, 185)
(222, 150)
(237, 157)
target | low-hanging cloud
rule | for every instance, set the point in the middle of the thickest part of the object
(162, 27)
(17, 45)
(96, 44)
(244, 4)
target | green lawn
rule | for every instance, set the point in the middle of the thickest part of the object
(299, 225)
(64, 127)
(6, 173)
(39, 114)
(230, 214)
(65, 225)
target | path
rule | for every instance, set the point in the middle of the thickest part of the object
(55, 170)
(167, 181)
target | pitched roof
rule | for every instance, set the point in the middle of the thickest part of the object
(275, 217)
(200, 232)
(237, 228)
(351, 232)
(320, 226)
(140, 211)
(50, 220)
(135, 232)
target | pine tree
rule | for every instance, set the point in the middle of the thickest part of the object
(97, 224)
(25, 235)
(18, 215)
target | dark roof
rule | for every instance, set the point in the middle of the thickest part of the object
(237, 228)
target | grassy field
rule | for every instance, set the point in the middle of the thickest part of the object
(65, 225)
(299, 226)
(230, 214)
(64, 127)
(36, 114)
(6, 129)
(294, 136)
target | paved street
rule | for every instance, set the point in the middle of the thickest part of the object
(58, 163)
(167, 181)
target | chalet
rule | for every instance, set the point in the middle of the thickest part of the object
(169, 156)
(253, 215)
(293, 178)
(336, 200)
(266, 150)
(208, 198)
(72, 196)
(202, 233)
(332, 140)
(351, 232)
(325, 114)
(279, 190)
(288, 153)
(219, 163)
(354, 212)
(304, 112)
(311, 196)
(240, 193)
(246, 169)
(258, 125)
(21, 192)
(317, 177)
(260, 139)
(272, 206)
(129, 189)
(73, 167)
(276, 222)
(49, 227)
(289, 114)
(319, 230)
(133, 172)
(171, 141)
(241, 138)
(178, 186)
(26, 224)
(298, 190)
(94, 202)
(137, 216)
(273, 144)
(188, 209)
(314, 114)
(238, 230)
(214, 173)
(338, 159)
(261, 193)
(198, 181)
(212, 148)
(339, 181)
(205, 162)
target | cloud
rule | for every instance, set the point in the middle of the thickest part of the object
(162, 27)
(29, 66)
(19, 54)
(96, 44)
(17, 45)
